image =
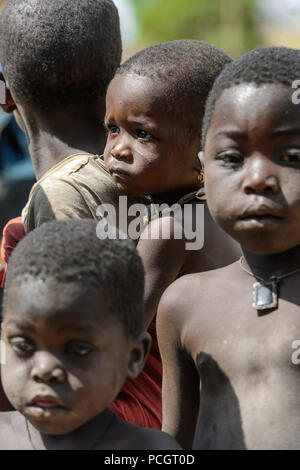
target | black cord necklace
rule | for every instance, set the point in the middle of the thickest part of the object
(265, 292)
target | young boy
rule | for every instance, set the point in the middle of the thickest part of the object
(238, 327)
(154, 111)
(73, 331)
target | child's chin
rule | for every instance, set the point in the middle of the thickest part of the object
(51, 421)
(55, 428)
(266, 246)
(128, 190)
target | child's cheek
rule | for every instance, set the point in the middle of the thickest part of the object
(15, 376)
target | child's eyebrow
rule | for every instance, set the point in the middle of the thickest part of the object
(69, 327)
(81, 328)
(144, 124)
(20, 325)
(232, 134)
(285, 131)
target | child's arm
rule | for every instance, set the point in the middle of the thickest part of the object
(181, 385)
(163, 260)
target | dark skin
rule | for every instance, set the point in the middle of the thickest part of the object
(248, 398)
(62, 371)
(150, 151)
(145, 145)
(54, 135)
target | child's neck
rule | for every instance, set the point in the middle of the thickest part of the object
(55, 137)
(272, 265)
(171, 197)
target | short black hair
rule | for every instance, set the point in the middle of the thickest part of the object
(187, 69)
(60, 51)
(69, 251)
(278, 65)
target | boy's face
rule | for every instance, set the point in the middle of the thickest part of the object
(67, 356)
(147, 151)
(252, 167)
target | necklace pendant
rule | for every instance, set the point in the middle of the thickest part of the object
(265, 295)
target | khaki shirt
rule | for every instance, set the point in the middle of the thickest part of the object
(73, 188)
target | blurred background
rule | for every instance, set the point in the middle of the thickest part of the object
(234, 25)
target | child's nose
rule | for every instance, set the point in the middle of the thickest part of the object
(121, 149)
(47, 368)
(261, 176)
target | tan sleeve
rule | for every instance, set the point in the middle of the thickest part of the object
(55, 200)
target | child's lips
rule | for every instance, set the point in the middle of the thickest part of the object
(47, 404)
(260, 220)
(261, 215)
(44, 408)
(117, 170)
(120, 175)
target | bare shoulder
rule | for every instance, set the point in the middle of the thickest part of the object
(153, 439)
(126, 436)
(164, 230)
(189, 308)
(185, 294)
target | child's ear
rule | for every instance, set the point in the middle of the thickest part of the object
(7, 102)
(139, 353)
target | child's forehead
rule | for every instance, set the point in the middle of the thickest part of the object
(140, 89)
(49, 298)
(245, 101)
(240, 93)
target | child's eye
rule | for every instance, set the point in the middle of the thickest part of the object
(141, 134)
(22, 345)
(290, 156)
(78, 348)
(112, 129)
(230, 158)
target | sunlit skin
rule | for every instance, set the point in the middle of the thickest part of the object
(147, 151)
(248, 393)
(257, 153)
(67, 356)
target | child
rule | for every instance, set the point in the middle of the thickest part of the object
(154, 111)
(73, 331)
(236, 328)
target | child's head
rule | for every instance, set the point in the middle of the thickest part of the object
(251, 135)
(73, 324)
(155, 106)
(59, 53)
